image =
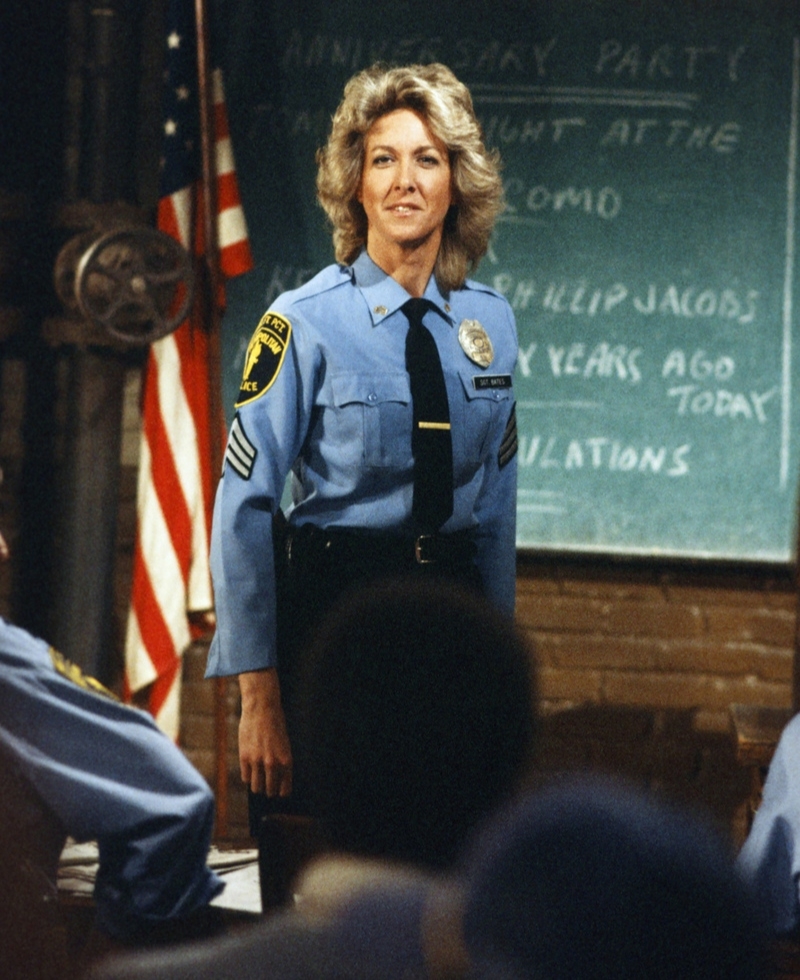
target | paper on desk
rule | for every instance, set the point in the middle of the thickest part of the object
(77, 870)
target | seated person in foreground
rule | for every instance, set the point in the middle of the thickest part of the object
(76, 762)
(770, 857)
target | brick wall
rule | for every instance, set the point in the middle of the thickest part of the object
(639, 664)
(680, 637)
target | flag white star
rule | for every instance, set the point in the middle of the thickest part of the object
(182, 93)
(174, 40)
(170, 127)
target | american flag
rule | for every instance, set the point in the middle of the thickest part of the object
(171, 575)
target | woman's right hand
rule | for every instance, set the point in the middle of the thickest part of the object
(265, 755)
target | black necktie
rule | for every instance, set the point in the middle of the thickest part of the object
(431, 443)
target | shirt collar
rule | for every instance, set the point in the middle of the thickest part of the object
(384, 295)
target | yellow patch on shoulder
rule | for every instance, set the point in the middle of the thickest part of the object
(73, 673)
(264, 358)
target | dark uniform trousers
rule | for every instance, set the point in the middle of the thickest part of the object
(317, 567)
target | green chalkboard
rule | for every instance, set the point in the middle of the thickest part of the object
(648, 248)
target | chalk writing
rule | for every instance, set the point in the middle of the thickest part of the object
(580, 297)
(720, 403)
(699, 365)
(462, 54)
(603, 360)
(604, 202)
(668, 61)
(503, 130)
(557, 452)
(691, 301)
(720, 137)
(524, 358)
(624, 131)
(540, 58)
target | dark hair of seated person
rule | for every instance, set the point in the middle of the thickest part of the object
(595, 879)
(420, 719)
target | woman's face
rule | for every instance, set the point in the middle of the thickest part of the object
(405, 186)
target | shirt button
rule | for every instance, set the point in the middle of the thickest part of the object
(372, 397)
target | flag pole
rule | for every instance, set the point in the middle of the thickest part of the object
(209, 298)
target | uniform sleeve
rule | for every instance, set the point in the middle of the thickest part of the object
(496, 505)
(263, 443)
(770, 857)
(108, 774)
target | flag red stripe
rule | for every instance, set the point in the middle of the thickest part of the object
(227, 192)
(162, 687)
(168, 220)
(166, 482)
(236, 258)
(155, 634)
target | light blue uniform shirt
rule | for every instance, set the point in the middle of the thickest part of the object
(333, 406)
(770, 857)
(107, 773)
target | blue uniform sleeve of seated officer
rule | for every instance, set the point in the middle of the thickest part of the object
(496, 504)
(108, 774)
(770, 856)
(273, 411)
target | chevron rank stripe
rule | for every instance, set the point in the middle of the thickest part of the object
(509, 443)
(240, 454)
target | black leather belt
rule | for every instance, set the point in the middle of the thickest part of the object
(331, 545)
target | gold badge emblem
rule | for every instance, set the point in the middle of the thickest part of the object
(475, 343)
(264, 358)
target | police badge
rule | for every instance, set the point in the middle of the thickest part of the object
(475, 343)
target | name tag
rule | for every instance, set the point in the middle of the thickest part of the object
(484, 381)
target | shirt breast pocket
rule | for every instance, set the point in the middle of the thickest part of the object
(374, 409)
(483, 407)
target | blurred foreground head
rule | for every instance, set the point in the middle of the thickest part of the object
(588, 881)
(593, 881)
(420, 719)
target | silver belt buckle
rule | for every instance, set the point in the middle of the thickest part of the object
(418, 550)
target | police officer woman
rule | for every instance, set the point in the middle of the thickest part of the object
(395, 418)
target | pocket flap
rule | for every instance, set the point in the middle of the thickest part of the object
(369, 389)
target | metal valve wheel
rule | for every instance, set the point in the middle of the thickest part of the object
(136, 283)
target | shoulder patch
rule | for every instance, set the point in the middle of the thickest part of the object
(240, 453)
(73, 673)
(264, 358)
(509, 443)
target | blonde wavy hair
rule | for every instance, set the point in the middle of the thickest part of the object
(445, 104)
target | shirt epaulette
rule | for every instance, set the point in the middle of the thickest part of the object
(328, 278)
(481, 287)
